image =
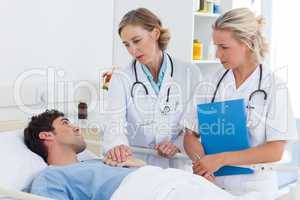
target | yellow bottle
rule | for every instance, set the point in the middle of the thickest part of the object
(197, 50)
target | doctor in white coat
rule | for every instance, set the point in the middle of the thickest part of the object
(241, 49)
(148, 97)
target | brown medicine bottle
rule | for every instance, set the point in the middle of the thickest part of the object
(82, 110)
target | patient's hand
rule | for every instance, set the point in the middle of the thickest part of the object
(207, 165)
(166, 149)
(119, 153)
(130, 162)
(207, 175)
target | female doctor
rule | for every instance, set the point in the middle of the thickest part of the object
(241, 48)
(148, 97)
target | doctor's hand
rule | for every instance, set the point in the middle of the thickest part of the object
(119, 153)
(166, 149)
(130, 162)
(208, 164)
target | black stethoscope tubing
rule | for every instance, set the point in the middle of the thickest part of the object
(137, 82)
(252, 94)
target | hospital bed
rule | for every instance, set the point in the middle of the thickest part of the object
(289, 188)
(288, 173)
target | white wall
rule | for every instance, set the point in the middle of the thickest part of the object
(73, 37)
(175, 15)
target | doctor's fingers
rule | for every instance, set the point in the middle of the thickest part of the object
(110, 162)
(171, 151)
(116, 154)
(121, 154)
(125, 152)
(198, 163)
(128, 151)
(111, 155)
(209, 177)
(161, 153)
(166, 147)
(200, 172)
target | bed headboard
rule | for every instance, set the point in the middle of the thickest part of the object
(11, 125)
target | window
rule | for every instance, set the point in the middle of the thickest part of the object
(285, 40)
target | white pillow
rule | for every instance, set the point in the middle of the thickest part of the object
(18, 165)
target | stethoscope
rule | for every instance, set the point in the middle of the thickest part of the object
(166, 108)
(257, 91)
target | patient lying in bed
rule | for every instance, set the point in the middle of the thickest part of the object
(51, 135)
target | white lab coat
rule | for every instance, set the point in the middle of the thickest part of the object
(272, 120)
(138, 121)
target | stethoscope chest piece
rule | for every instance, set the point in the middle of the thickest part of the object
(168, 107)
(165, 108)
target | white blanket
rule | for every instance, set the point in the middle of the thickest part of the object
(154, 183)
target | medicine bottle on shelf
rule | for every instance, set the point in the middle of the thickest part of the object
(217, 7)
(210, 6)
(82, 110)
(197, 50)
(82, 114)
(202, 6)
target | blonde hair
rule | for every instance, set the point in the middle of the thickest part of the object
(246, 28)
(148, 20)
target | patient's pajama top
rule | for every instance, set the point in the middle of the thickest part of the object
(84, 180)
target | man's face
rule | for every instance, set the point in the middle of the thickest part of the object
(66, 134)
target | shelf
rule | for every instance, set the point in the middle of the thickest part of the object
(205, 62)
(209, 15)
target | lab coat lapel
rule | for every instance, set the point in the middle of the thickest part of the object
(166, 83)
(146, 103)
(250, 82)
(143, 78)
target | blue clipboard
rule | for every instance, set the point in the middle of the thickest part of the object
(223, 128)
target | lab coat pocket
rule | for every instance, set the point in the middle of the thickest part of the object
(141, 133)
(256, 114)
(171, 110)
(140, 129)
(168, 123)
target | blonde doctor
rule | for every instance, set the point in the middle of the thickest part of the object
(241, 49)
(147, 98)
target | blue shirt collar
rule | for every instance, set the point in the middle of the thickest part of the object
(156, 85)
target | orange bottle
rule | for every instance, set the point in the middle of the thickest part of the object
(197, 50)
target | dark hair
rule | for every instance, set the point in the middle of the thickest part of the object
(39, 123)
